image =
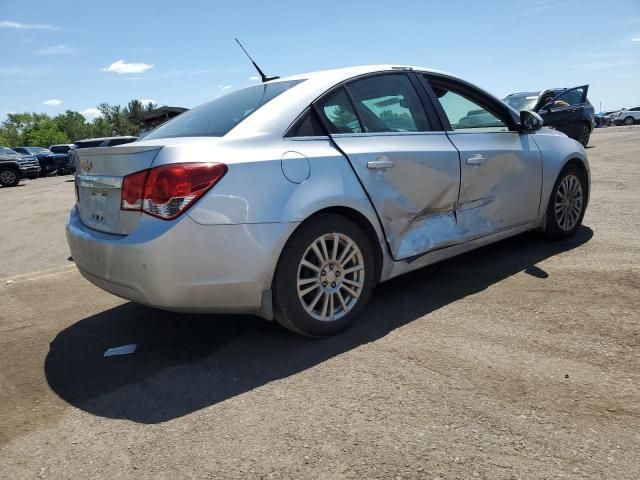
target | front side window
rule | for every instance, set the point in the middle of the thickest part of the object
(337, 110)
(575, 96)
(466, 114)
(388, 103)
(218, 117)
(7, 151)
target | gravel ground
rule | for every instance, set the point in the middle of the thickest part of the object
(517, 361)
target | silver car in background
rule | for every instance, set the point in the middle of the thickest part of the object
(291, 199)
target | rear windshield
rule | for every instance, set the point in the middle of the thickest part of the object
(63, 149)
(218, 117)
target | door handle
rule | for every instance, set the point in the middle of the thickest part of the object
(380, 163)
(476, 159)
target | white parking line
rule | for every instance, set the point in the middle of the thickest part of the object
(52, 272)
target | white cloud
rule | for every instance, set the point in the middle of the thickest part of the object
(635, 39)
(121, 67)
(26, 26)
(225, 87)
(54, 102)
(91, 113)
(56, 50)
(145, 101)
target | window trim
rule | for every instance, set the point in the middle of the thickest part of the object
(432, 115)
(470, 92)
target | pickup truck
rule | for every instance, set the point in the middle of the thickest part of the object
(14, 166)
(49, 162)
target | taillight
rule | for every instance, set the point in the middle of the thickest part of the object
(169, 190)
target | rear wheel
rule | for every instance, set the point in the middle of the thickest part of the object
(628, 121)
(324, 276)
(9, 177)
(567, 203)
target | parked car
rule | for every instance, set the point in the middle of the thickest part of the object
(64, 149)
(15, 166)
(627, 116)
(49, 162)
(565, 109)
(96, 142)
(272, 200)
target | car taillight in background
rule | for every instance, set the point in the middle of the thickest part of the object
(168, 191)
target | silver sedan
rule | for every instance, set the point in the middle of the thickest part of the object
(291, 199)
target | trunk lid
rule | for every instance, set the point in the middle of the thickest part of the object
(99, 174)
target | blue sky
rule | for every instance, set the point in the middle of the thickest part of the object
(73, 55)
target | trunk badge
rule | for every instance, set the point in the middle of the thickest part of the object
(86, 165)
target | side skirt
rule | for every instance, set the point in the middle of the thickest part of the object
(403, 266)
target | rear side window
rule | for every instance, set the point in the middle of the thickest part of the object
(338, 112)
(92, 144)
(218, 117)
(120, 141)
(307, 126)
(388, 103)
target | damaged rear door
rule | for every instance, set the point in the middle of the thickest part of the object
(410, 172)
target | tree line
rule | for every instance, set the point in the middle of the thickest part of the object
(41, 129)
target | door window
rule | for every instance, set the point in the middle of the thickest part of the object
(575, 96)
(339, 113)
(388, 103)
(466, 114)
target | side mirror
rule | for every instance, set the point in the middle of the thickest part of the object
(530, 121)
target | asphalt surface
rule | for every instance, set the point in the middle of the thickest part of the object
(517, 361)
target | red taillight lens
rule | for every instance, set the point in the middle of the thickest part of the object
(132, 190)
(169, 190)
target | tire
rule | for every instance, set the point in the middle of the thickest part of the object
(342, 278)
(9, 177)
(585, 134)
(628, 121)
(566, 210)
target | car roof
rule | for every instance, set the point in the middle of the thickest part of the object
(279, 113)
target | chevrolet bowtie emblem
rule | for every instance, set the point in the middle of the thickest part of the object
(86, 165)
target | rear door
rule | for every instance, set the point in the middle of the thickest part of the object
(564, 112)
(410, 169)
(501, 169)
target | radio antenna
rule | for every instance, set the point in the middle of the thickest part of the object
(265, 78)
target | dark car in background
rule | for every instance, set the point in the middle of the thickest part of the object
(565, 109)
(15, 166)
(63, 148)
(97, 142)
(49, 162)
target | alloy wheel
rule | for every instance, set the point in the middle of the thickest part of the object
(7, 177)
(584, 135)
(568, 202)
(330, 277)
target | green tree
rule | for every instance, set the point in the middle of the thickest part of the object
(73, 125)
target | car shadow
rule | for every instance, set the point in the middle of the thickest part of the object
(187, 362)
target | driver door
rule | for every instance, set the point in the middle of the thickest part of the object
(564, 112)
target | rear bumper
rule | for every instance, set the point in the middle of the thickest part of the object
(182, 265)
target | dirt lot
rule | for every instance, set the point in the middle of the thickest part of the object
(520, 360)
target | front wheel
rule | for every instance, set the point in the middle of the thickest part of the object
(9, 177)
(324, 276)
(628, 121)
(567, 203)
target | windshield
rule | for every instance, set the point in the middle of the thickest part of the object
(522, 101)
(7, 151)
(218, 117)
